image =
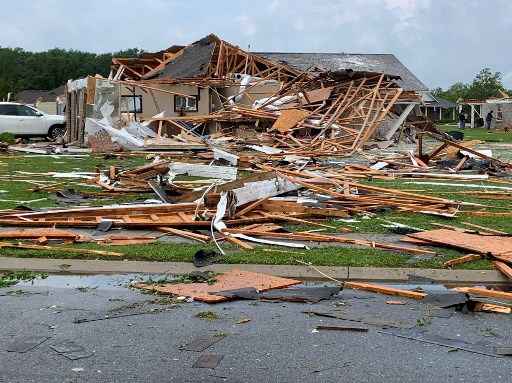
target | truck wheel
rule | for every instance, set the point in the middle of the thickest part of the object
(56, 131)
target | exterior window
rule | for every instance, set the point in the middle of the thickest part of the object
(499, 114)
(185, 104)
(131, 104)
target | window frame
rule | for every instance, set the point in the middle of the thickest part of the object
(132, 96)
(187, 108)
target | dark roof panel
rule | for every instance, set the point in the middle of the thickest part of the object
(382, 63)
(193, 62)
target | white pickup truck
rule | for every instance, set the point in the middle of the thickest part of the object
(26, 121)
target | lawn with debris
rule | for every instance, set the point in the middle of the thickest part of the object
(27, 174)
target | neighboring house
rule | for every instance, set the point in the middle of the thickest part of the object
(437, 108)
(44, 100)
(502, 108)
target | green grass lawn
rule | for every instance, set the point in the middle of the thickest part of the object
(14, 183)
(326, 256)
(481, 134)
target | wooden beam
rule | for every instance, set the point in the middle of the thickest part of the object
(385, 290)
(482, 292)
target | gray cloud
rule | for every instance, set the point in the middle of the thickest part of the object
(441, 41)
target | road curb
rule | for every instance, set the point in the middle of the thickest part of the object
(78, 266)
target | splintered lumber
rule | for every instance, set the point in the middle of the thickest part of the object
(60, 249)
(385, 290)
(503, 268)
(185, 234)
(231, 280)
(482, 292)
(461, 260)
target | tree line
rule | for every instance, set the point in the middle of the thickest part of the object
(20, 69)
(486, 84)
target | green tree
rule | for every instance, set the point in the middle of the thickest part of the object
(486, 84)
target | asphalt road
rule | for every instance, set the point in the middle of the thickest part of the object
(278, 344)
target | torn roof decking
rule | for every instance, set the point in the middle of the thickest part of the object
(213, 58)
(380, 63)
(194, 61)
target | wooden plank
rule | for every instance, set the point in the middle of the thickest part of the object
(503, 268)
(251, 207)
(238, 242)
(37, 233)
(461, 260)
(60, 249)
(385, 290)
(185, 234)
(482, 292)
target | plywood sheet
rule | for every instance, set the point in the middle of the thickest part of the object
(288, 119)
(231, 280)
(483, 244)
(320, 94)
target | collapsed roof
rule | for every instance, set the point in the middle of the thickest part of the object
(380, 63)
(214, 58)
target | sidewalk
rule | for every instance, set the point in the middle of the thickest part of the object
(74, 266)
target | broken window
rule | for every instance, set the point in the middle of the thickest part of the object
(185, 104)
(131, 104)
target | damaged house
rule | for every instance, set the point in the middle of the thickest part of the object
(500, 106)
(332, 102)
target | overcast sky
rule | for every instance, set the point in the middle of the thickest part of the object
(441, 41)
